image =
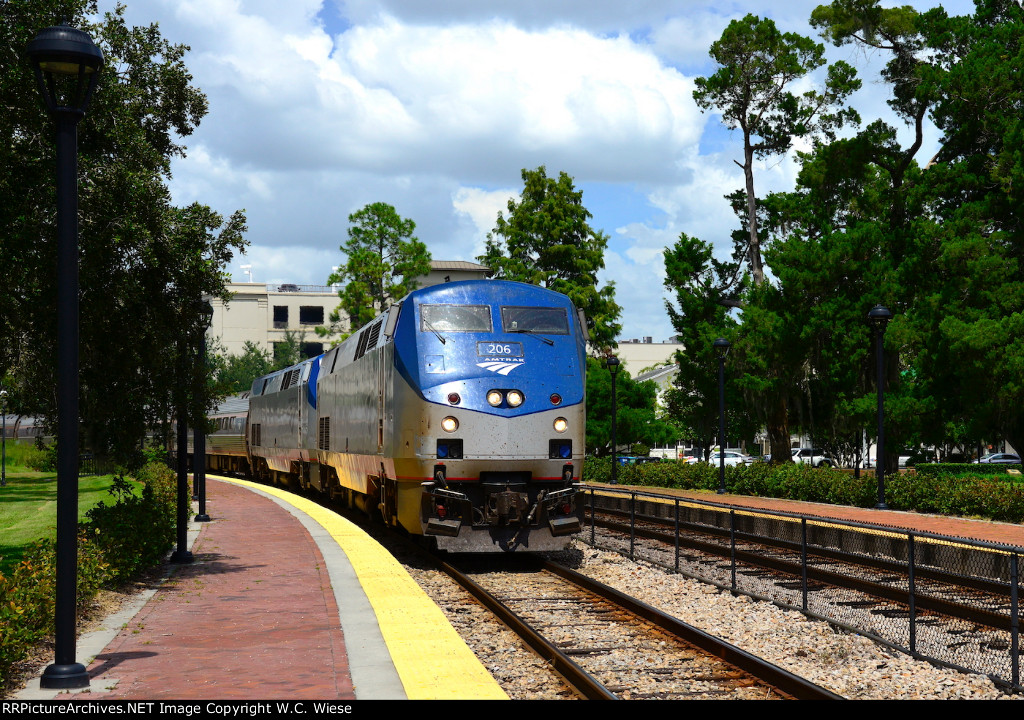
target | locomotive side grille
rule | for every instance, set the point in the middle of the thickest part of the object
(368, 339)
(374, 336)
(324, 434)
(256, 434)
(290, 378)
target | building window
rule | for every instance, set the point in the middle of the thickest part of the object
(311, 315)
(312, 349)
(280, 317)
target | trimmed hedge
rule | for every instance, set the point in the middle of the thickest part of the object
(942, 490)
(115, 545)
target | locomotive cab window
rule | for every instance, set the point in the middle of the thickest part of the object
(542, 320)
(455, 318)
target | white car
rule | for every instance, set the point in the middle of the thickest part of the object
(814, 457)
(732, 457)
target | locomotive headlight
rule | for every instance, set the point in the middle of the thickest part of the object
(449, 424)
(560, 424)
(514, 398)
(494, 398)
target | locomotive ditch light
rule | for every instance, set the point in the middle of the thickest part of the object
(450, 424)
(514, 398)
(560, 424)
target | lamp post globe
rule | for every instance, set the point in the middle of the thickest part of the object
(66, 63)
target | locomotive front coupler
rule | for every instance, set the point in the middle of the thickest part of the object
(439, 517)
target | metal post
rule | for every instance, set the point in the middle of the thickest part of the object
(732, 546)
(181, 553)
(593, 520)
(66, 672)
(677, 534)
(880, 460)
(3, 451)
(1014, 620)
(879, 316)
(632, 523)
(615, 453)
(911, 587)
(721, 425)
(803, 561)
(199, 450)
(721, 346)
(66, 63)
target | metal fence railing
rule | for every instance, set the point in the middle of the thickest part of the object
(948, 600)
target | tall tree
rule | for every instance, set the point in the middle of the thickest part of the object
(144, 264)
(750, 90)
(384, 262)
(546, 240)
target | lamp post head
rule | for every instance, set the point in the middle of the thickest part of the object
(722, 346)
(206, 312)
(613, 364)
(66, 63)
(879, 316)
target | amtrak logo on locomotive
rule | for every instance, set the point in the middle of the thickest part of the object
(502, 367)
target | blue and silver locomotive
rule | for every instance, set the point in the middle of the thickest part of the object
(458, 414)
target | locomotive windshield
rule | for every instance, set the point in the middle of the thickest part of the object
(543, 320)
(455, 318)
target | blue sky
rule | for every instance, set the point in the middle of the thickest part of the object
(319, 107)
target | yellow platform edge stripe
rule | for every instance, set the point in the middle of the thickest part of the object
(432, 660)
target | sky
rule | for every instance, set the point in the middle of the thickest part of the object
(318, 108)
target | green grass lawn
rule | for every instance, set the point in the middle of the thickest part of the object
(28, 508)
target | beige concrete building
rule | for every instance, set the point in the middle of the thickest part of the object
(264, 314)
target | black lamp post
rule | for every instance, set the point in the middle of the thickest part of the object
(66, 63)
(3, 452)
(181, 553)
(199, 451)
(721, 346)
(879, 317)
(613, 367)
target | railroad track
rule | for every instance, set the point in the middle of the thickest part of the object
(607, 645)
(976, 600)
(961, 622)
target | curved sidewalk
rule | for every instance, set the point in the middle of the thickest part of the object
(284, 600)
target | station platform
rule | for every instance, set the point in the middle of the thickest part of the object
(983, 530)
(284, 600)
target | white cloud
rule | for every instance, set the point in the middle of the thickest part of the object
(481, 207)
(318, 107)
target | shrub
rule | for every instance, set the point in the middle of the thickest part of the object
(117, 543)
(137, 529)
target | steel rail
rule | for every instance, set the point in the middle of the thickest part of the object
(783, 680)
(578, 678)
(981, 616)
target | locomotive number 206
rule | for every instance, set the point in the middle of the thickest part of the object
(499, 349)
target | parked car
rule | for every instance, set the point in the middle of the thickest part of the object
(732, 457)
(814, 457)
(1000, 458)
